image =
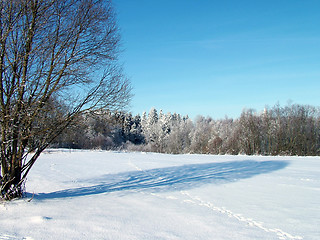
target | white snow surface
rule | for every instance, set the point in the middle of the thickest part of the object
(118, 195)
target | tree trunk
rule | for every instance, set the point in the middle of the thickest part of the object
(12, 184)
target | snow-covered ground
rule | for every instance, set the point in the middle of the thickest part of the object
(114, 195)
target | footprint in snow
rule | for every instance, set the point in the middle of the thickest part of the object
(10, 237)
(38, 219)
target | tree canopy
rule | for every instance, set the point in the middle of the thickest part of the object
(58, 59)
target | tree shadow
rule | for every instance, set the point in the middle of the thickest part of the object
(170, 178)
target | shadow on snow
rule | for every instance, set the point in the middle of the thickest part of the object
(170, 178)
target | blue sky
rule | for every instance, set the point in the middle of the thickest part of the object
(215, 58)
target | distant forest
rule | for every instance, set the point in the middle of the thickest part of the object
(290, 130)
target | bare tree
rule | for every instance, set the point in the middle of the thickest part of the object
(58, 59)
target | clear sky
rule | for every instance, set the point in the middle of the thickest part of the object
(214, 58)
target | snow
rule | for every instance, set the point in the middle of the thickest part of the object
(118, 195)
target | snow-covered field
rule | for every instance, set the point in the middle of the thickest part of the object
(114, 195)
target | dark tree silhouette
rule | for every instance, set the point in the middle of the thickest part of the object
(58, 59)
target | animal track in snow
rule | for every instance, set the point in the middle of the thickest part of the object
(39, 219)
(282, 235)
(9, 237)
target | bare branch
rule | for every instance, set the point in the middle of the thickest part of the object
(58, 59)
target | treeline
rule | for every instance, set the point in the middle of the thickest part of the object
(290, 130)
